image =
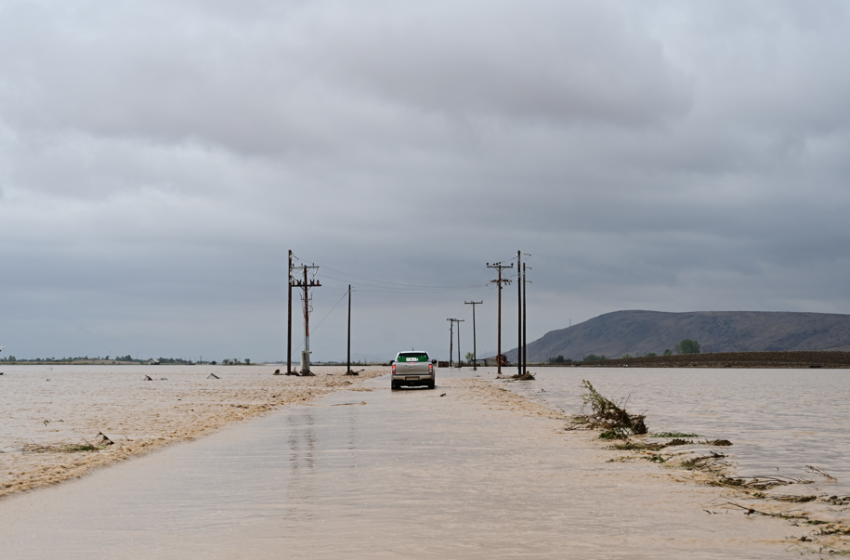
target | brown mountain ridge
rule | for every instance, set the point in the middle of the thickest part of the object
(639, 332)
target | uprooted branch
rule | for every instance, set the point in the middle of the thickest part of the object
(757, 482)
(751, 511)
(611, 417)
(821, 472)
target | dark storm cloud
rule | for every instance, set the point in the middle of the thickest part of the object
(157, 160)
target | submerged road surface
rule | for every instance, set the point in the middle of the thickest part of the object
(409, 474)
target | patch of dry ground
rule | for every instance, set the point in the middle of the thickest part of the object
(51, 418)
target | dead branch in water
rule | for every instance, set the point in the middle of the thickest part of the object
(757, 482)
(822, 472)
(751, 511)
(611, 417)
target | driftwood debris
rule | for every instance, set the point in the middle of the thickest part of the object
(609, 416)
(822, 472)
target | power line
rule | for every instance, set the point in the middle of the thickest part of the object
(435, 289)
(329, 312)
(402, 285)
(323, 318)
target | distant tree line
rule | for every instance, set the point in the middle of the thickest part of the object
(686, 346)
(235, 362)
(127, 358)
(559, 359)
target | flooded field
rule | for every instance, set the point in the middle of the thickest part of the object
(466, 471)
(779, 420)
(51, 415)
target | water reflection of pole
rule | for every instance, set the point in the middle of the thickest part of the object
(300, 483)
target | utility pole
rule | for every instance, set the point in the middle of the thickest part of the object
(306, 285)
(524, 324)
(519, 312)
(289, 318)
(452, 322)
(451, 338)
(499, 283)
(348, 354)
(474, 341)
(459, 360)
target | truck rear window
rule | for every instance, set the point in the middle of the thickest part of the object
(413, 357)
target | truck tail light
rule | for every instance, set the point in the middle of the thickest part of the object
(393, 369)
(431, 368)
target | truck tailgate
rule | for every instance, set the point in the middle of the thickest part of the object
(412, 368)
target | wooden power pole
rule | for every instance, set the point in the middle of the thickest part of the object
(524, 323)
(519, 312)
(474, 342)
(499, 283)
(348, 353)
(451, 338)
(459, 359)
(289, 318)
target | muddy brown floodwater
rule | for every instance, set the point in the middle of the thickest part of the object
(478, 473)
(48, 414)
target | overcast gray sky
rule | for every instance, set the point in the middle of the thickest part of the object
(159, 158)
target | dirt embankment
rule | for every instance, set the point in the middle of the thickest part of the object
(795, 360)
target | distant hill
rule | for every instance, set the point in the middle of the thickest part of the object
(639, 332)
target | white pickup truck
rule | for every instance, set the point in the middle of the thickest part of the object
(413, 368)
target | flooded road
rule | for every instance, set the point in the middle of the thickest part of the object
(479, 473)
